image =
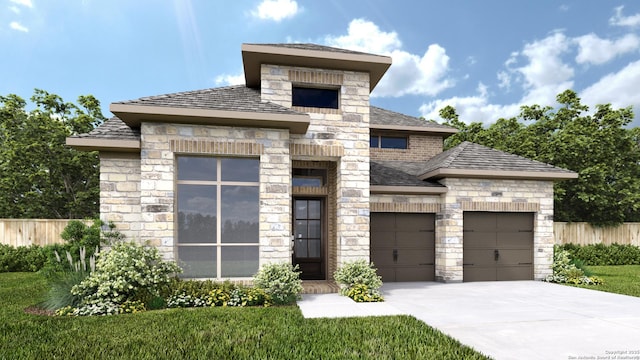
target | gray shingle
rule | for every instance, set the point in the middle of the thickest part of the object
(381, 174)
(470, 156)
(113, 128)
(379, 116)
(229, 98)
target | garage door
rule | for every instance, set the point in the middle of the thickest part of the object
(403, 246)
(497, 246)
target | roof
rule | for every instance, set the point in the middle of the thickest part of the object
(383, 119)
(477, 161)
(112, 135)
(382, 174)
(311, 56)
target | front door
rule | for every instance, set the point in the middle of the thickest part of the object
(308, 238)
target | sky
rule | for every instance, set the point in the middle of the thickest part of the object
(486, 58)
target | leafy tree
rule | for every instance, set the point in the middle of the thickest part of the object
(39, 176)
(597, 145)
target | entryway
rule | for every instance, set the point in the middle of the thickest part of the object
(403, 246)
(497, 246)
(309, 237)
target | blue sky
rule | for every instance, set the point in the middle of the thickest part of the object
(486, 58)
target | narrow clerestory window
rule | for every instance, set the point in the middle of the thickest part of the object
(315, 97)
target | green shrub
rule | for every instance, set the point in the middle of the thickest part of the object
(566, 271)
(362, 293)
(59, 295)
(22, 258)
(281, 281)
(358, 272)
(603, 255)
(127, 272)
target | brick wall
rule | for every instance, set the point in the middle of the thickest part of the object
(420, 148)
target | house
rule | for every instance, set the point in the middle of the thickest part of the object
(297, 166)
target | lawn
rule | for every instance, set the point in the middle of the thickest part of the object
(209, 333)
(619, 279)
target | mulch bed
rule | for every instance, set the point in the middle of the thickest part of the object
(34, 310)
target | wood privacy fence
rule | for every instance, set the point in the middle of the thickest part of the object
(25, 232)
(585, 234)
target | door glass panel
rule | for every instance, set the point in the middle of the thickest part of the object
(314, 248)
(301, 229)
(197, 168)
(197, 261)
(301, 209)
(307, 181)
(239, 261)
(314, 229)
(237, 169)
(240, 214)
(196, 213)
(301, 248)
(314, 209)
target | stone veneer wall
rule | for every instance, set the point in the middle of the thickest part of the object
(492, 195)
(160, 144)
(120, 192)
(346, 128)
(420, 148)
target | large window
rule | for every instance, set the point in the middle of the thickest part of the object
(388, 142)
(313, 97)
(217, 206)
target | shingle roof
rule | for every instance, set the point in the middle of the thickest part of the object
(316, 47)
(471, 156)
(113, 128)
(229, 98)
(392, 176)
(381, 116)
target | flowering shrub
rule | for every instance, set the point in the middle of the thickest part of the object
(126, 272)
(359, 272)
(565, 270)
(280, 281)
(102, 307)
(362, 293)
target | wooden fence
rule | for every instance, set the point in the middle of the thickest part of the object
(585, 234)
(25, 232)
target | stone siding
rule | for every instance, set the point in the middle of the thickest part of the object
(120, 192)
(492, 195)
(420, 148)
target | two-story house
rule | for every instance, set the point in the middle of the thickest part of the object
(297, 166)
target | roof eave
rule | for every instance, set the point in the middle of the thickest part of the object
(394, 189)
(134, 115)
(254, 55)
(444, 132)
(498, 174)
(97, 144)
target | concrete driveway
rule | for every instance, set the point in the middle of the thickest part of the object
(510, 320)
(525, 319)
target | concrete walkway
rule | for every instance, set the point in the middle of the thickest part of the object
(508, 320)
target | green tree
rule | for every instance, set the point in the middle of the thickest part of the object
(40, 177)
(598, 146)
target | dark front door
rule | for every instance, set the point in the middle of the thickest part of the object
(308, 233)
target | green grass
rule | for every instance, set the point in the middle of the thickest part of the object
(619, 279)
(209, 333)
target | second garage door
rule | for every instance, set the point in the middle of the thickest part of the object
(403, 246)
(497, 246)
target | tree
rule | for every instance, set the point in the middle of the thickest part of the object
(598, 145)
(39, 176)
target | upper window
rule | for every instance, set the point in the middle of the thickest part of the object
(217, 216)
(314, 97)
(309, 177)
(388, 142)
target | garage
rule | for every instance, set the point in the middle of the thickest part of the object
(403, 246)
(497, 246)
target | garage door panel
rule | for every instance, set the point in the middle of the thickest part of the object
(515, 273)
(414, 222)
(479, 221)
(416, 257)
(406, 239)
(423, 273)
(479, 239)
(479, 257)
(521, 240)
(383, 222)
(388, 273)
(383, 238)
(514, 257)
(478, 273)
(514, 222)
(382, 257)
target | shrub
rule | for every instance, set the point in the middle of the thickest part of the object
(566, 271)
(603, 255)
(362, 293)
(127, 272)
(281, 281)
(21, 258)
(358, 272)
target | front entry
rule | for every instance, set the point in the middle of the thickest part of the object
(309, 238)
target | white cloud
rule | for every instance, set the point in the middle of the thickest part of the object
(17, 26)
(619, 88)
(15, 9)
(26, 3)
(595, 50)
(226, 79)
(410, 73)
(620, 20)
(276, 10)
